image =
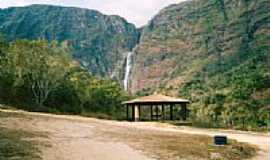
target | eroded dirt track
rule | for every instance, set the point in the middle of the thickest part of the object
(74, 137)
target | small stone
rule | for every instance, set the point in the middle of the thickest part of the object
(215, 156)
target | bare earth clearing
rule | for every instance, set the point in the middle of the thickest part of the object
(78, 138)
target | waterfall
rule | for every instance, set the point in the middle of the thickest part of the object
(127, 70)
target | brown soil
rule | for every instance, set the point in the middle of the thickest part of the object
(74, 137)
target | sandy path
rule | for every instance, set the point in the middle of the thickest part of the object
(72, 139)
(81, 138)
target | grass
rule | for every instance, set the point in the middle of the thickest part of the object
(171, 146)
(207, 126)
(13, 115)
(17, 144)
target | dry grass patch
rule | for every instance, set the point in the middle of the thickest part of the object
(171, 145)
(18, 144)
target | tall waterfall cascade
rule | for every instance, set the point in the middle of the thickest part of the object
(127, 70)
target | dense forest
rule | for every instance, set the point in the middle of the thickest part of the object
(41, 76)
(232, 87)
(214, 53)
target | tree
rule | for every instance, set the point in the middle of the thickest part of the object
(80, 81)
(7, 76)
(40, 65)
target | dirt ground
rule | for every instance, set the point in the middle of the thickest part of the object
(74, 137)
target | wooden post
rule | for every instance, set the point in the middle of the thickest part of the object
(136, 113)
(157, 110)
(139, 109)
(127, 112)
(185, 111)
(133, 112)
(151, 112)
(163, 112)
(171, 112)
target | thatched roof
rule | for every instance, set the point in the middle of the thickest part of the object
(156, 98)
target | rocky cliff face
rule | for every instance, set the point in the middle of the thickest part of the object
(98, 41)
(202, 41)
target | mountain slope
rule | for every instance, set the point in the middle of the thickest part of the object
(214, 52)
(98, 41)
(182, 38)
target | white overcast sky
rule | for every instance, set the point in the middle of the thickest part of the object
(138, 12)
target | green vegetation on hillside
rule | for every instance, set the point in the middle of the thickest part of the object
(41, 76)
(215, 53)
(99, 42)
(232, 90)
